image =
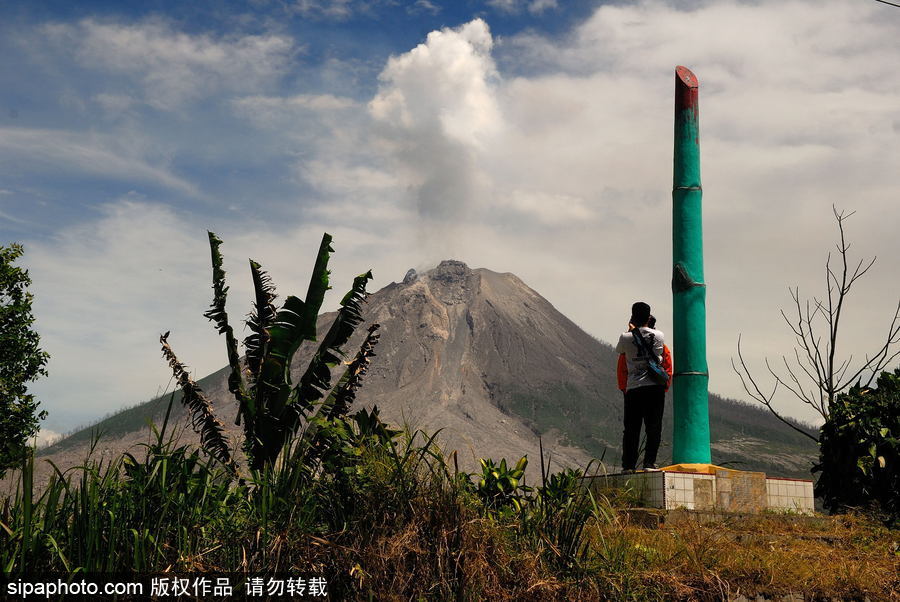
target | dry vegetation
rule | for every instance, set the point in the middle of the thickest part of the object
(443, 553)
(393, 520)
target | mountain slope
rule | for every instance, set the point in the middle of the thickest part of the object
(484, 357)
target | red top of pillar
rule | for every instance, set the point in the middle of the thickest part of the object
(686, 89)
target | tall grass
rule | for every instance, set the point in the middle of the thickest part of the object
(152, 513)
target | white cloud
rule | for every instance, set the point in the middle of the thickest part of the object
(333, 133)
(435, 112)
(514, 6)
(343, 179)
(45, 437)
(547, 207)
(12, 218)
(442, 87)
(424, 6)
(165, 67)
(114, 103)
(280, 112)
(104, 291)
(89, 153)
(539, 6)
(315, 102)
(333, 9)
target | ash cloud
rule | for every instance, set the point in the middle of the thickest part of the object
(435, 113)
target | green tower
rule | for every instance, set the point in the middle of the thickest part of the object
(690, 443)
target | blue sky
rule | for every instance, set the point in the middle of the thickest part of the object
(61, 73)
(530, 136)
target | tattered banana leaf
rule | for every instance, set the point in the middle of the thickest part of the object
(259, 320)
(273, 387)
(344, 392)
(257, 342)
(217, 314)
(285, 336)
(342, 395)
(203, 420)
(292, 325)
(340, 399)
(318, 286)
(281, 421)
(317, 377)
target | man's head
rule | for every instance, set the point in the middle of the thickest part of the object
(640, 313)
(651, 322)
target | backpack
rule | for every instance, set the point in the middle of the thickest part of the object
(657, 374)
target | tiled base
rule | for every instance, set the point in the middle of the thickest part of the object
(726, 491)
(790, 494)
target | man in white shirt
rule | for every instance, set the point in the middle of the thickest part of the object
(644, 399)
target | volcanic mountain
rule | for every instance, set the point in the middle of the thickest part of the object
(486, 359)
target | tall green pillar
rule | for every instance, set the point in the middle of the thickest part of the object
(691, 381)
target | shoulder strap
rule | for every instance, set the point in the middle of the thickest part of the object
(639, 338)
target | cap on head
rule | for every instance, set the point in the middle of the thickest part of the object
(640, 313)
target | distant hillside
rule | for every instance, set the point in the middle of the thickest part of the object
(484, 357)
(129, 420)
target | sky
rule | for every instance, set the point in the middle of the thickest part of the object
(524, 136)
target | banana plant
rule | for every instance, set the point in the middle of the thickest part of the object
(271, 406)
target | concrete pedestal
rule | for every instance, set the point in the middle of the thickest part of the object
(721, 490)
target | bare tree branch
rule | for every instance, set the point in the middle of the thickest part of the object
(814, 379)
(799, 392)
(842, 369)
(815, 354)
(759, 396)
(893, 337)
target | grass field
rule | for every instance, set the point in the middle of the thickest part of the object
(387, 516)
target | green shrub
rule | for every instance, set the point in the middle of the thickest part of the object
(860, 450)
(500, 488)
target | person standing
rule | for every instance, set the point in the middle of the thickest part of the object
(667, 365)
(644, 397)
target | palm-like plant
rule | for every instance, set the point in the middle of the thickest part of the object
(499, 487)
(271, 406)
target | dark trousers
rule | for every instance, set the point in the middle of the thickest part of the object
(642, 405)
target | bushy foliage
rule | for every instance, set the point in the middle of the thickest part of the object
(21, 361)
(860, 449)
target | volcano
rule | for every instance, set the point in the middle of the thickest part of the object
(489, 362)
